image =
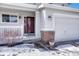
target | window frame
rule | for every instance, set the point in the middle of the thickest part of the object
(10, 15)
(9, 18)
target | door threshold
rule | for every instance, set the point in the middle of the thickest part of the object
(30, 34)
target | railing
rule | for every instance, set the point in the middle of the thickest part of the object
(10, 35)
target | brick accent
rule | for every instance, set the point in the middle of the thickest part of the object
(47, 36)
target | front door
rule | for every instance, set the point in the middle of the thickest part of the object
(29, 25)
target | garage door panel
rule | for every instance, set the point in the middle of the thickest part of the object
(66, 29)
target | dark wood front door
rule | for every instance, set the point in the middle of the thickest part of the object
(29, 25)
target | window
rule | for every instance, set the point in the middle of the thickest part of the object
(9, 18)
(5, 18)
(13, 18)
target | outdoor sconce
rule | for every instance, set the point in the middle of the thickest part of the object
(49, 17)
(19, 17)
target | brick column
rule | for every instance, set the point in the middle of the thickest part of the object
(47, 36)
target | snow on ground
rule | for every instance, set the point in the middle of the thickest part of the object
(29, 50)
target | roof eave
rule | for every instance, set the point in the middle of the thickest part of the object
(19, 6)
(58, 7)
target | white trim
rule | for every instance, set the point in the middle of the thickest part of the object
(30, 7)
(37, 24)
(58, 7)
(47, 29)
(23, 5)
(18, 6)
(64, 15)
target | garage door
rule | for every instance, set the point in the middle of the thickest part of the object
(67, 27)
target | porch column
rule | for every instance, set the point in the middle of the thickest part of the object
(47, 33)
(37, 24)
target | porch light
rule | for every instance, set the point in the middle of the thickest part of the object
(19, 17)
(49, 17)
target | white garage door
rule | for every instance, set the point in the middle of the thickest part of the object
(67, 27)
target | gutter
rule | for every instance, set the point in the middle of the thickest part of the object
(58, 7)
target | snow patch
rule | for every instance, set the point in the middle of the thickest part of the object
(30, 50)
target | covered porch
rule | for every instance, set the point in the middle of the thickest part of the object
(18, 23)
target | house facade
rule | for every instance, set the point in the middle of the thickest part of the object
(49, 22)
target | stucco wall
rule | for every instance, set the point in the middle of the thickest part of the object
(65, 24)
(48, 24)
